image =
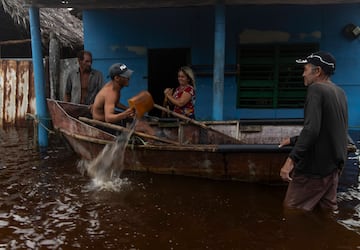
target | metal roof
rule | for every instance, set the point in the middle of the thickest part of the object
(114, 4)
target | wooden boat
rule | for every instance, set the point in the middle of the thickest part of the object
(230, 150)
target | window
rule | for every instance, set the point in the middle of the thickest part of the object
(269, 76)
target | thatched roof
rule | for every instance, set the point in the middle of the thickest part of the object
(67, 28)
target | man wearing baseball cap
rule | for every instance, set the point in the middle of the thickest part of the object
(108, 97)
(321, 59)
(120, 69)
(320, 151)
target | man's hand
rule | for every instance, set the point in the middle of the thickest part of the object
(284, 142)
(286, 170)
(129, 113)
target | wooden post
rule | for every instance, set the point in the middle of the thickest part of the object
(9, 42)
(54, 66)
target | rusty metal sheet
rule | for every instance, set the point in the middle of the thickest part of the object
(10, 92)
(17, 95)
(22, 102)
(2, 85)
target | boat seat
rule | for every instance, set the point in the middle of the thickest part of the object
(163, 122)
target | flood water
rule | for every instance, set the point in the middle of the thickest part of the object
(46, 203)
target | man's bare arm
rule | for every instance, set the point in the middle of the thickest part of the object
(110, 115)
(121, 106)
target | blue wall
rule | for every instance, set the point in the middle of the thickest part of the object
(125, 36)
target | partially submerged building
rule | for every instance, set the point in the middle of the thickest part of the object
(242, 51)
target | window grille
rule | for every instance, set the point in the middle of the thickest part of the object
(269, 76)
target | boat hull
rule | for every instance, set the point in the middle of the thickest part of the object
(249, 162)
(260, 166)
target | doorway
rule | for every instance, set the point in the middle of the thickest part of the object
(163, 66)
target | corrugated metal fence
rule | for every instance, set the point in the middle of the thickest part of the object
(17, 92)
(17, 89)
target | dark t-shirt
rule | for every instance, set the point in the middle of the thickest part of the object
(321, 146)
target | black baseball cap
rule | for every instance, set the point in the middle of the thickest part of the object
(322, 59)
(120, 69)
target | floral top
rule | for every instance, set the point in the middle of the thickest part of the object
(188, 109)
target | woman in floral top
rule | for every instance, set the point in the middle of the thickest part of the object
(183, 98)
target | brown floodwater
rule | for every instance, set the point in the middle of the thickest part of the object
(46, 203)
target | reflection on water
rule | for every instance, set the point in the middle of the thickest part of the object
(46, 203)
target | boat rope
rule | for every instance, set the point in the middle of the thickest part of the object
(38, 122)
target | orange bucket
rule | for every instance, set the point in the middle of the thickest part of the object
(142, 103)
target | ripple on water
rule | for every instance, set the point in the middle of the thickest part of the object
(3, 223)
(50, 205)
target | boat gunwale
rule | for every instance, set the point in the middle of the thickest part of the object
(57, 103)
(220, 148)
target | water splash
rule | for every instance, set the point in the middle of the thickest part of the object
(115, 185)
(105, 170)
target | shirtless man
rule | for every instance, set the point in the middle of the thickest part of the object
(108, 98)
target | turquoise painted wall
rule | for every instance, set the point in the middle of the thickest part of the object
(125, 36)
